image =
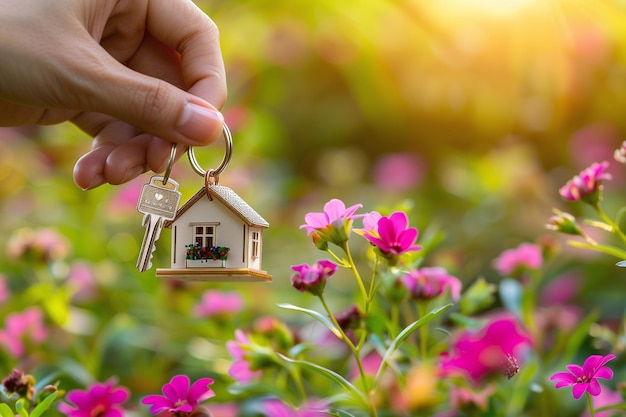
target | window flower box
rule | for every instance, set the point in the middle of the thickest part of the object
(206, 257)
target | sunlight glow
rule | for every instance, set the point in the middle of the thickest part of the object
(495, 8)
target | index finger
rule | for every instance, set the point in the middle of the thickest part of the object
(182, 26)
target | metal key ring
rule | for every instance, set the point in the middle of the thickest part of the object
(215, 173)
(170, 164)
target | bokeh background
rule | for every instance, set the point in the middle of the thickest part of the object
(469, 114)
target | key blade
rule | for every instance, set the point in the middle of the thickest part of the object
(153, 225)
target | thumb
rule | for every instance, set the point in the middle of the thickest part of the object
(148, 103)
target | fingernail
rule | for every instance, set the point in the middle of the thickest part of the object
(198, 123)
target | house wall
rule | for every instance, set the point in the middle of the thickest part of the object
(229, 232)
(254, 263)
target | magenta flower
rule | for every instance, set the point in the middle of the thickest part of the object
(179, 397)
(332, 225)
(587, 185)
(101, 400)
(217, 303)
(428, 283)
(585, 378)
(496, 347)
(240, 370)
(20, 327)
(393, 237)
(312, 278)
(513, 262)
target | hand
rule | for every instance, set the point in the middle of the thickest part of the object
(136, 75)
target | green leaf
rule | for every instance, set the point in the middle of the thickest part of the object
(21, 409)
(327, 373)
(46, 380)
(43, 406)
(5, 411)
(317, 316)
(610, 407)
(406, 332)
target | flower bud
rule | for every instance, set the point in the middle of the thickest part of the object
(564, 223)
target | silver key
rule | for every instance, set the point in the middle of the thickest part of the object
(158, 202)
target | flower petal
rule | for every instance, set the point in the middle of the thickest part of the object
(577, 370)
(177, 388)
(564, 377)
(593, 387)
(579, 390)
(200, 391)
(605, 373)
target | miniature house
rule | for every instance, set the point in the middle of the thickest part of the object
(216, 236)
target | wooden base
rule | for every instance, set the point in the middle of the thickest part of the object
(215, 274)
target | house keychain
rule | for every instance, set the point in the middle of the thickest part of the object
(216, 235)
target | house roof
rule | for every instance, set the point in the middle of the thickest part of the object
(230, 199)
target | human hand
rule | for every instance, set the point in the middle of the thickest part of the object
(136, 75)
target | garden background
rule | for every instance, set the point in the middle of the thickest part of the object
(469, 115)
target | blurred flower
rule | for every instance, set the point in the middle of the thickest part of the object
(224, 410)
(312, 278)
(217, 303)
(21, 383)
(604, 399)
(564, 223)
(82, 279)
(585, 379)
(333, 225)
(21, 327)
(240, 370)
(179, 397)
(495, 347)
(419, 390)
(514, 262)
(98, 400)
(462, 397)
(428, 283)
(620, 153)
(587, 185)
(277, 408)
(350, 318)
(398, 171)
(393, 237)
(275, 331)
(44, 245)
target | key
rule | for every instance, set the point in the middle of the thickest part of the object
(158, 202)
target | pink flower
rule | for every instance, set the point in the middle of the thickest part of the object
(494, 348)
(217, 303)
(312, 278)
(393, 237)
(240, 369)
(398, 172)
(332, 225)
(179, 397)
(19, 327)
(428, 283)
(514, 261)
(585, 378)
(83, 281)
(5, 292)
(586, 186)
(99, 400)
(370, 224)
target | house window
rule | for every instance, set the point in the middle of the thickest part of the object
(256, 242)
(204, 235)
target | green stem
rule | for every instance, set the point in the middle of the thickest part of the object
(356, 274)
(422, 309)
(356, 351)
(614, 227)
(590, 403)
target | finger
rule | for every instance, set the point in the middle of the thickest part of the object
(182, 26)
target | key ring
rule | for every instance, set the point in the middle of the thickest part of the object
(170, 164)
(213, 173)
